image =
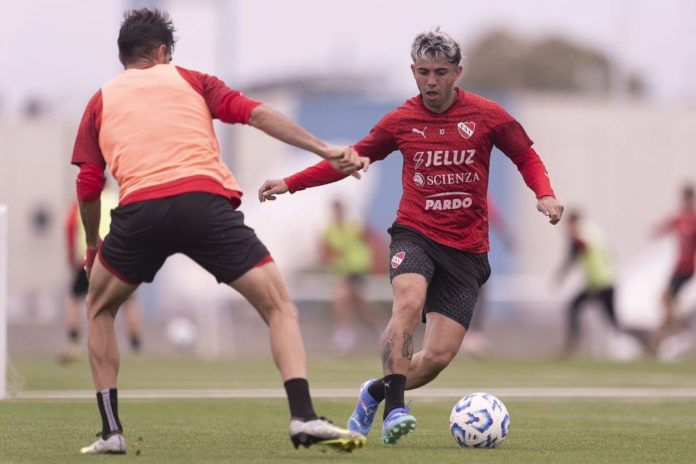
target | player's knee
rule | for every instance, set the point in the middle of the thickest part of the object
(409, 302)
(95, 306)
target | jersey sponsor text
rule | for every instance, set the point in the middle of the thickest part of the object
(438, 203)
(443, 158)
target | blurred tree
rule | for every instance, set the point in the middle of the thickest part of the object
(502, 61)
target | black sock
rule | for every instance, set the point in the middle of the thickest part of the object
(135, 343)
(107, 400)
(299, 399)
(376, 390)
(394, 386)
(74, 335)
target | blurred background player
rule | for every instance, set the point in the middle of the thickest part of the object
(440, 242)
(683, 226)
(152, 126)
(346, 249)
(587, 247)
(76, 246)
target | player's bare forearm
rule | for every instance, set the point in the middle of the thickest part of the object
(90, 212)
(343, 159)
(281, 127)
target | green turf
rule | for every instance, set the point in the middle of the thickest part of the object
(245, 431)
(186, 373)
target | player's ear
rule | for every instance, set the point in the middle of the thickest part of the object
(162, 54)
(413, 69)
(459, 71)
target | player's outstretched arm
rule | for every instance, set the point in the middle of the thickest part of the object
(320, 174)
(277, 125)
(551, 208)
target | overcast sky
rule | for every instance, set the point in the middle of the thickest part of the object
(63, 50)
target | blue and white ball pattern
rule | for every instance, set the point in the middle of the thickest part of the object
(479, 420)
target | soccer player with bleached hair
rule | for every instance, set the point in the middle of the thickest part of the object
(439, 241)
(152, 127)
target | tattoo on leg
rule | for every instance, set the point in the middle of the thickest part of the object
(407, 349)
(387, 361)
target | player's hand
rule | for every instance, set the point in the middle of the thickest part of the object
(271, 188)
(346, 160)
(364, 165)
(551, 208)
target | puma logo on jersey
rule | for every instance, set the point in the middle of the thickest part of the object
(421, 132)
(466, 129)
(397, 259)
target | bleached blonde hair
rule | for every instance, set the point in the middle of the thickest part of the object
(436, 44)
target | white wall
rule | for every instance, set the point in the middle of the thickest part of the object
(34, 159)
(622, 164)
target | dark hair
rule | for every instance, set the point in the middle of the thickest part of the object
(688, 192)
(142, 31)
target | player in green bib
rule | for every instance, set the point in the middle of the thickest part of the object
(588, 248)
(347, 252)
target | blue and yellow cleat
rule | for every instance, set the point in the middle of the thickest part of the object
(397, 424)
(364, 413)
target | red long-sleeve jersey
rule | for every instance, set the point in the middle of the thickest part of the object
(684, 226)
(446, 158)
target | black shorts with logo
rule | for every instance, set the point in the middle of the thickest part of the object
(80, 283)
(454, 277)
(203, 226)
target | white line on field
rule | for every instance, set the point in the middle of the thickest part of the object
(422, 393)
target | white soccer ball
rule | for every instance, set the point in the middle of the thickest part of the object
(479, 420)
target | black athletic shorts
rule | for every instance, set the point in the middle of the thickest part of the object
(454, 277)
(677, 282)
(80, 283)
(203, 226)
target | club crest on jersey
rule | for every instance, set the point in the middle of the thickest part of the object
(397, 259)
(466, 129)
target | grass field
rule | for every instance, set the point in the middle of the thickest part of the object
(555, 430)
